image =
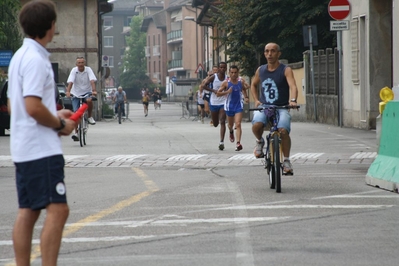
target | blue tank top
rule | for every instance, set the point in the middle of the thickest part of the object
(274, 86)
(234, 99)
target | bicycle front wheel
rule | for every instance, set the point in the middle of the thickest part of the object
(270, 169)
(85, 128)
(80, 131)
(119, 113)
(277, 162)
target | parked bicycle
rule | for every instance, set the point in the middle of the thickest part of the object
(273, 155)
(83, 126)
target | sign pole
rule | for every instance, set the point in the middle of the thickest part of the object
(312, 71)
(339, 44)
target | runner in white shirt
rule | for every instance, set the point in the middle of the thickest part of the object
(217, 103)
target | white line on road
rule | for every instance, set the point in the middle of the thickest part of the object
(272, 207)
(124, 158)
(362, 155)
(306, 155)
(186, 157)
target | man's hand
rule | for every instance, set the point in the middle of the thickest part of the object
(257, 103)
(69, 124)
(94, 93)
(68, 94)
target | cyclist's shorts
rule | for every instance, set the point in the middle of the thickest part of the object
(76, 102)
(216, 108)
(233, 113)
(284, 121)
(41, 182)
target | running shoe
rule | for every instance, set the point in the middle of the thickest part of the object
(287, 168)
(238, 147)
(75, 137)
(91, 121)
(231, 136)
(258, 152)
(221, 146)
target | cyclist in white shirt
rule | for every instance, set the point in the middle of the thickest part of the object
(82, 81)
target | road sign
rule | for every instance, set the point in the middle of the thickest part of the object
(199, 68)
(339, 25)
(339, 9)
(5, 57)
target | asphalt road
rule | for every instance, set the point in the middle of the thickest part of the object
(157, 191)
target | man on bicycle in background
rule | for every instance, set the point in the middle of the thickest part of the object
(82, 81)
(120, 98)
(278, 87)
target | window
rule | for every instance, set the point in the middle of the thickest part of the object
(108, 41)
(108, 22)
(110, 61)
(127, 22)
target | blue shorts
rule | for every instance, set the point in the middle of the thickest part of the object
(76, 102)
(41, 182)
(233, 113)
(284, 121)
(216, 108)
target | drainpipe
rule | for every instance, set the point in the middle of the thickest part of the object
(85, 28)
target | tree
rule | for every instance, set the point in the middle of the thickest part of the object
(249, 25)
(10, 37)
(134, 62)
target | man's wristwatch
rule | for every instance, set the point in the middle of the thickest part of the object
(62, 125)
(293, 100)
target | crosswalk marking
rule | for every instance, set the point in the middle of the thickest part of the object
(363, 155)
(306, 155)
(124, 158)
(245, 156)
(186, 157)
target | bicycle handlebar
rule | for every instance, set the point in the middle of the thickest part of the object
(93, 98)
(274, 107)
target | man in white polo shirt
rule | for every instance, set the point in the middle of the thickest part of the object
(35, 143)
(82, 81)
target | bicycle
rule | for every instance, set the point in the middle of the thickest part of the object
(83, 126)
(273, 153)
(119, 113)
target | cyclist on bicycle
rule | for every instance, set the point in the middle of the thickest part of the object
(120, 98)
(278, 87)
(82, 81)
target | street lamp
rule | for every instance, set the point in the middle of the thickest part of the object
(196, 36)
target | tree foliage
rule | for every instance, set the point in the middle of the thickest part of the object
(10, 36)
(134, 62)
(249, 25)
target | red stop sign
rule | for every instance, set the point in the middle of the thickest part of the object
(339, 9)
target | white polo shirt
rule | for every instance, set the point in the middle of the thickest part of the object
(31, 74)
(81, 80)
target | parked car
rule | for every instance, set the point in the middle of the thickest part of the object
(5, 116)
(67, 101)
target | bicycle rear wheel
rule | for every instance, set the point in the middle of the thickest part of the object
(277, 162)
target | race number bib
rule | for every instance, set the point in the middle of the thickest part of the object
(270, 90)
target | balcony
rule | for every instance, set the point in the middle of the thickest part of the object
(175, 64)
(156, 50)
(175, 36)
(147, 51)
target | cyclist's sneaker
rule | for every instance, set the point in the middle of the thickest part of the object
(258, 152)
(221, 146)
(231, 136)
(238, 147)
(91, 121)
(75, 137)
(287, 168)
(123, 117)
